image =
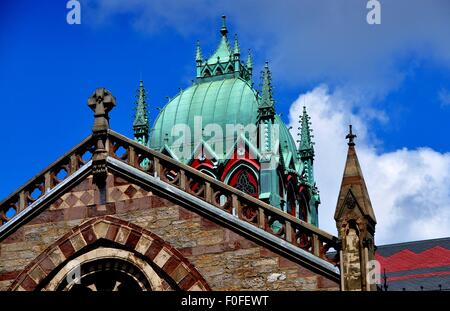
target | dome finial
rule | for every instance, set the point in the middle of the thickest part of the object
(224, 29)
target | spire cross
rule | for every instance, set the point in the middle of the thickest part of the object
(350, 136)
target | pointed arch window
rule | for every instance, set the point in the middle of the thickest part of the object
(291, 200)
(245, 181)
(303, 208)
(244, 184)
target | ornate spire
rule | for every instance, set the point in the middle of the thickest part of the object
(306, 150)
(268, 135)
(224, 63)
(236, 49)
(249, 67)
(223, 52)
(306, 146)
(266, 109)
(198, 53)
(140, 123)
(267, 97)
(355, 222)
(249, 60)
(353, 186)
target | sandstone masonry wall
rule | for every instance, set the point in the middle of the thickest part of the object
(225, 259)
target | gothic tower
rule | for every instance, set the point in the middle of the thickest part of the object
(355, 222)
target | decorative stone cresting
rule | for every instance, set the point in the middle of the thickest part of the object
(46, 180)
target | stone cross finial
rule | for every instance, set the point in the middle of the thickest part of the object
(101, 102)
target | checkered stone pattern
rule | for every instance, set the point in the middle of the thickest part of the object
(125, 192)
(86, 197)
(74, 199)
(132, 237)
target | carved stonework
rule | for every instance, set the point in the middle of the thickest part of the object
(355, 221)
(350, 201)
(101, 102)
(352, 260)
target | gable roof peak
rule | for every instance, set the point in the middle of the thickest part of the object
(353, 181)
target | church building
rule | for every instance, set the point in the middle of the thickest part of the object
(215, 195)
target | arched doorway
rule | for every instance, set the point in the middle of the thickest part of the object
(106, 253)
(106, 269)
(105, 275)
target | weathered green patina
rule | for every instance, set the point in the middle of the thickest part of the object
(222, 102)
(140, 123)
(306, 153)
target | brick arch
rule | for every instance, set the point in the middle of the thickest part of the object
(129, 235)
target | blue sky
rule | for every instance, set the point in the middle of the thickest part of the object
(394, 78)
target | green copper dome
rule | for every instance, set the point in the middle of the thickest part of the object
(202, 127)
(226, 101)
(222, 94)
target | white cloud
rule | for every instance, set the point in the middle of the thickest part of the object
(327, 40)
(149, 17)
(409, 189)
(307, 41)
